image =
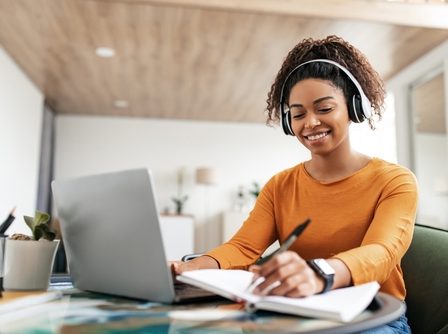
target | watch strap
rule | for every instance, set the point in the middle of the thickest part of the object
(327, 278)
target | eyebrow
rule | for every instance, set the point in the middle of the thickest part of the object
(317, 101)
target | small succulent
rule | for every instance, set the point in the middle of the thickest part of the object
(179, 203)
(39, 227)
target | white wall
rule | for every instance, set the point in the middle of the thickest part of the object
(21, 105)
(242, 153)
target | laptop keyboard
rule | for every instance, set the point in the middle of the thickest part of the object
(186, 291)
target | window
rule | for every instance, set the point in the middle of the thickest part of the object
(428, 103)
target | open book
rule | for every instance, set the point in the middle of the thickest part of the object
(340, 304)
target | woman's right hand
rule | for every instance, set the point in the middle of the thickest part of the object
(287, 274)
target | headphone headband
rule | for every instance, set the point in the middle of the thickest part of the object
(359, 115)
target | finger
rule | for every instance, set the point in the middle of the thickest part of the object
(287, 284)
(302, 290)
(175, 268)
(254, 268)
(298, 285)
(289, 276)
(277, 275)
(303, 283)
(278, 261)
(295, 266)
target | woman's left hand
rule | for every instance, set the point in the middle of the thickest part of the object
(287, 274)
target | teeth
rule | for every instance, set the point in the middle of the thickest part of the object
(318, 136)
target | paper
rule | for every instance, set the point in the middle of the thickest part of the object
(339, 304)
(205, 314)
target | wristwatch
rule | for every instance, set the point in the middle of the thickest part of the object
(324, 270)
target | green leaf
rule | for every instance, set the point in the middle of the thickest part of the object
(29, 221)
(50, 235)
(38, 233)
(45, 232)
(41, 218)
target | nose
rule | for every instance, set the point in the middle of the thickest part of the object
(311, 122)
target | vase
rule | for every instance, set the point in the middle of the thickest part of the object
(28, 264)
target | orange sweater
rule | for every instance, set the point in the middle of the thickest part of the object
(366, 220)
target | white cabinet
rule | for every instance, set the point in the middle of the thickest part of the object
(178, 235)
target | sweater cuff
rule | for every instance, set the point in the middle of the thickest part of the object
(222, 262)
(360, 274)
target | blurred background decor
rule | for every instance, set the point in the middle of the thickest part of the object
(180, 199)
(255, 189)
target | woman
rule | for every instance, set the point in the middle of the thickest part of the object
(362, 208)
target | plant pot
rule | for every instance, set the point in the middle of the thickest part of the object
(2, 253)
(28, 264)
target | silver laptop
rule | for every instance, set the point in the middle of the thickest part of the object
(112, 238)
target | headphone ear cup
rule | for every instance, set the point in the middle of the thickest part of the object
(355, 112)
(286, 123)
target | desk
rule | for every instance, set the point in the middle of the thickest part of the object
(81, 312)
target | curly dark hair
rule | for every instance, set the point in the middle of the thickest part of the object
(336, 49)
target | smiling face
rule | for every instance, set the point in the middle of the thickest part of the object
(319, 116)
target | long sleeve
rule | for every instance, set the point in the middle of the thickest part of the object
(388, 236)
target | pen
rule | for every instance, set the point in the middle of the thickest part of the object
(288, 242)
(8, 221)
(284, 247)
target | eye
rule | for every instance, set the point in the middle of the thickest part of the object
(298, 115)
(325, 110)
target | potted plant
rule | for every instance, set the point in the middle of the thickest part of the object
(180, 199)
(179, 204)
(28, 261)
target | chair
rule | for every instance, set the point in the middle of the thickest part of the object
(425, 269)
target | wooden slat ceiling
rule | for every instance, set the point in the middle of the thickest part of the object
(178, 62)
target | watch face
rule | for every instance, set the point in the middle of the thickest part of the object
(324, 266)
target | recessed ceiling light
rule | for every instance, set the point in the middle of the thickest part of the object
(105, 52)
(121, 104)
